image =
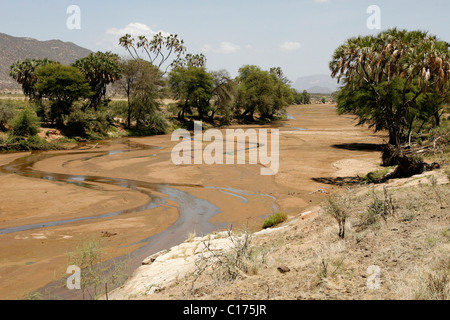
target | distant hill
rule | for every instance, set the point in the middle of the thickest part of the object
(14, 49)
(316, 84)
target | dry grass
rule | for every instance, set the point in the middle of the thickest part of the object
(410, 246)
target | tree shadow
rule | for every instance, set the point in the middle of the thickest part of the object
(339, 181)
(360, 146)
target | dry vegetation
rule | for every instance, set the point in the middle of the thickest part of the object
(400, 229)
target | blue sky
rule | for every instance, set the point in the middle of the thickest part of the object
(297, 35)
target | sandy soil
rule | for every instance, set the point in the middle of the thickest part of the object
(31, 259)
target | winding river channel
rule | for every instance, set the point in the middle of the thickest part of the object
(194, 213)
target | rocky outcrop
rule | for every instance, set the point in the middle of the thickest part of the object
(164, 268)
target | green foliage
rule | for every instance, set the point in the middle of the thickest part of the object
(100, 69)
(159, 49)
(7, 113)
(193, 87)
(96, 275)
(224, 95)
(25, 124)
(119, 109)
(33, 143)
(375, 176)
(274, 220)
(393, 79)
(24, 72)
(301, 98)
(62, 85)
(90, 124)
(261, 92)
(142, 83)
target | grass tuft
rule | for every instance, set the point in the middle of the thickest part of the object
(274, 220)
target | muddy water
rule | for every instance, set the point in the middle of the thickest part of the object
(194, 213)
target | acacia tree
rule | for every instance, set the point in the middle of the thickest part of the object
(62, 85)
(282, 93)
(24, 73)
(301, 98)
(193, 87)
(387, 76)
(223, 94)
(141, 81)
(100, 69)
(159, 50)
(262, 92)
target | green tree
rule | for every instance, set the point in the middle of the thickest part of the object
(193, 87)
(282, 91)
(306, 97)
(100, 69)
(301, 98)
(62, 85)
(142, 83)
(24, 73)
(223, 95)
(386, 76)
(262, 92)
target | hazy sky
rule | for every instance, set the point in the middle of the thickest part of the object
(297, 35)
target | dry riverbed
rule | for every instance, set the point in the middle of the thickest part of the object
(136, 179)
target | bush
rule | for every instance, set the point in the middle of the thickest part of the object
(25, 124)
(119, 109)
(88, 124)
(375, 176)
(96, 275)
(335, 208)
(274, 220)
(77, 123)
(7, 113)
(33, 143)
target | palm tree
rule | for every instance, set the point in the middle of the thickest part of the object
(392, 70)
(159, 49)
(24, 73)
(100, 69)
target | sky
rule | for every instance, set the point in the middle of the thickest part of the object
(299, 36)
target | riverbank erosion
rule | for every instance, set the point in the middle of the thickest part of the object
(129, 194)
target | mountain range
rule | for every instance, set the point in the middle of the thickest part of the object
(14, 49)
(320, 83)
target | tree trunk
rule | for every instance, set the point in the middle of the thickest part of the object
(129, 111)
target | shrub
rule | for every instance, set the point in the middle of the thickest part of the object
(375, 176)
(274, 220)
(7, 113)
(25, 124)
(335, 208)
(89, 124)
(96, 275)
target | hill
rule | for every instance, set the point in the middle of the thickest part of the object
(14, 49)
(321, 83)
